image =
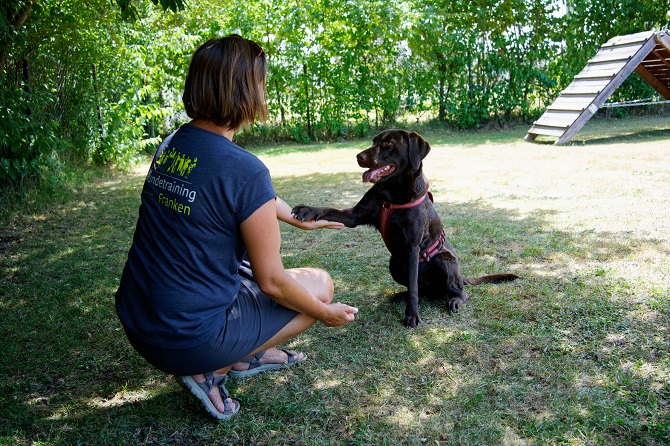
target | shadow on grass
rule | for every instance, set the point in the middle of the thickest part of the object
(625, 137)
(570, 351)
(603, 131)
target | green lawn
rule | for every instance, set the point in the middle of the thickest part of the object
(575, 352)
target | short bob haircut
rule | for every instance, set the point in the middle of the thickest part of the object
(225, 83)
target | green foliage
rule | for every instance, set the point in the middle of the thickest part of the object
(27, 143)
(103, 79)
(588, 24)
(130, 11)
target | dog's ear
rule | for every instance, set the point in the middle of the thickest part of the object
(418, 149)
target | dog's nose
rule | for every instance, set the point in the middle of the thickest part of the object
(363, 158)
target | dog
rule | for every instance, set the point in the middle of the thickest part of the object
(400, 206)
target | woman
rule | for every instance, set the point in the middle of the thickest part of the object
(188, 301)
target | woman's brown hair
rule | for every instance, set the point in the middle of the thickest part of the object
(225, 83)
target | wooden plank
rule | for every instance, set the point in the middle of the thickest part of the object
(547, 131)
(622, 50)
(593, 83)
(607, 92)
(586, 86)
(583, 90)
(630, 38)
(655, 56)
(603, 74)
(628, 48)
(554, 122)
(601, 58)
(567, 107)
(663, 39)
(613, 65)
(571, 103)
(558, 118)
(597, 74)
(659, 65)
(652, 80)
(657, 72)
(661, 75)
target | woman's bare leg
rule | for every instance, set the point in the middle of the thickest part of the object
(316, 281)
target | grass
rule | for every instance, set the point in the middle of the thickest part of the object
(575, 352)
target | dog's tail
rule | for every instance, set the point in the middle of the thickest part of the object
(493, 278)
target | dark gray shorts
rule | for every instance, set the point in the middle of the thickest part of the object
(251, 321)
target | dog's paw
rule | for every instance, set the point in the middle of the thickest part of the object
(411, 321)
(455, 304)
(307, 213)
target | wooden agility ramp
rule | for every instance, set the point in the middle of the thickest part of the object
(647, 54)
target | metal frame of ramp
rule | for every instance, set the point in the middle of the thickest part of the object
(647, 53)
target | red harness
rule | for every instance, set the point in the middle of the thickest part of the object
(385, 218)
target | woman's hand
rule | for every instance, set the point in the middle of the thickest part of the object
(285, 214)
(339, 314)
(316, 224)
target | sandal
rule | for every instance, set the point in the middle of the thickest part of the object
(255, 366)
(200, 392)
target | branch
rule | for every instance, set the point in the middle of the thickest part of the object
(128, 10)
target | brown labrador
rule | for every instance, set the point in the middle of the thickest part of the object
(400, 206)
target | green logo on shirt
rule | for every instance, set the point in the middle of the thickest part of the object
(175, 163)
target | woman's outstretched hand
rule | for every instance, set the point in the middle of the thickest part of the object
(285, 214)
(318, 224)
(339, 315)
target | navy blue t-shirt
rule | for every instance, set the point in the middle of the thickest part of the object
(182, 268)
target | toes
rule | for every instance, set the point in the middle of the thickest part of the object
(222, 407)
(215, 398)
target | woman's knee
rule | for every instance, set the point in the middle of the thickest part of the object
(328, 287)
(322, 285)
(317, 281)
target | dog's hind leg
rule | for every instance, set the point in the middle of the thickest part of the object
(447, 282)
(455, 303)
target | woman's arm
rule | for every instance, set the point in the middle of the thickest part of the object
(261, 238)
(284, 213)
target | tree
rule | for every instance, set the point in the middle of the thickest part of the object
(101, 81)
(64, 67)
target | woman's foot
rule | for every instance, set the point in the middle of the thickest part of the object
(270, 359)
(211, 392)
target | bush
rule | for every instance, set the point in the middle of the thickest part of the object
(28, 143)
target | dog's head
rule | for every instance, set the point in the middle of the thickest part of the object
(393, 152)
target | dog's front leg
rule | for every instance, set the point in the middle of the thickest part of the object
(412, 318)
(364, 213)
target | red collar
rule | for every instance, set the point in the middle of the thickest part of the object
(385, 217)
(388, 208)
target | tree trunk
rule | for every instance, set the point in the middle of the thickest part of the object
(26, 81)
(16, 16)
(97, 99)
(309, 118)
